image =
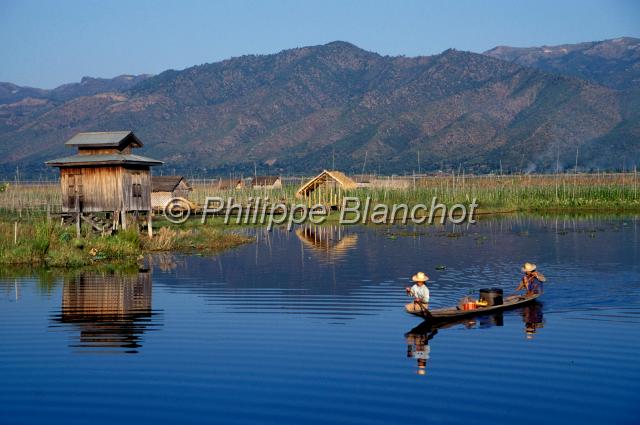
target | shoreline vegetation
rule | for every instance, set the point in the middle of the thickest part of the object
(41, 240)
(36, 241)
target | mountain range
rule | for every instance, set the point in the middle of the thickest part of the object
(339, 106)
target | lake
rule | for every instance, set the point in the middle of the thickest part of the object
(308, 327)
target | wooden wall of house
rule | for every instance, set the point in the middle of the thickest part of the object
(105, 188)
(141, 200)
(99, 188)
(103, 151)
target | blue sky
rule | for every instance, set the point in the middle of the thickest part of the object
(48, 43)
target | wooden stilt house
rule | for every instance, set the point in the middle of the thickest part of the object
(327, 188)
(105, 176)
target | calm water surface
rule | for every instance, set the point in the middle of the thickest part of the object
(308, 327)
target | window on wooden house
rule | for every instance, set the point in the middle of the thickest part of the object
(74, 189)
(137, 190)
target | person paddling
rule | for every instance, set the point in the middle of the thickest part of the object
(419, 292)
(532, 280)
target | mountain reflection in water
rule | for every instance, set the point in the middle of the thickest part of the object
(110, 311)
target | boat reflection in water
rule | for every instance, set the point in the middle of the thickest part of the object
(111, 311)
(329, 242)
(418, 338)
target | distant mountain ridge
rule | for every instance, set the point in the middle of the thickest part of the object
(613, 63)
(304, 109)
(87, 86)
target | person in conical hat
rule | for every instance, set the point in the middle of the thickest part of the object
(532, 281)
(419, 292)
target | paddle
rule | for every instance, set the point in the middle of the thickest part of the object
(425, 312)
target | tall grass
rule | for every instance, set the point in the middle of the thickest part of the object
(37, 241)
(494, 192)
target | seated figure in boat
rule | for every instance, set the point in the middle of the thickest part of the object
(419, 292)
(532, 281)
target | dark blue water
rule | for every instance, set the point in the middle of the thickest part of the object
(309, 327)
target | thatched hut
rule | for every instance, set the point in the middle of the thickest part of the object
(165, 188)
(105, 176)
(327, 188)
(266, 182)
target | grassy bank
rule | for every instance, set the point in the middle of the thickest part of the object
(36, 241)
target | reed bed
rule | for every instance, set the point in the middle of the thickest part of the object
(519, 193)
(30, 197)
(607, 191)
(493, 192)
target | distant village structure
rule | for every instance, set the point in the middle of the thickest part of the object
(266, 182)
(229, 184)
(104, 176)
(166, 188)
(327, 188)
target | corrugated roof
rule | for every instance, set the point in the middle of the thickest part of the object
(338, 176)
(165, 183)
(107, 139)
(111, 159)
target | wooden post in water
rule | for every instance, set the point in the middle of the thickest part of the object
(15, 233)
(149, 226)
(123, 219)
(77, 207)
(635, 182)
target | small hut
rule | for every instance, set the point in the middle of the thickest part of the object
(165, 188)
(230, 184)
(327, 188)
(266, 182)
(105, 176)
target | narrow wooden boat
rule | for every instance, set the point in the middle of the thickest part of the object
(452, 313)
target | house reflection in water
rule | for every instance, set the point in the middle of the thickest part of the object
(111, 311)
(329, 242)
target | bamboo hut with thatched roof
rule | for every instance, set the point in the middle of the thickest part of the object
(327, 188)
